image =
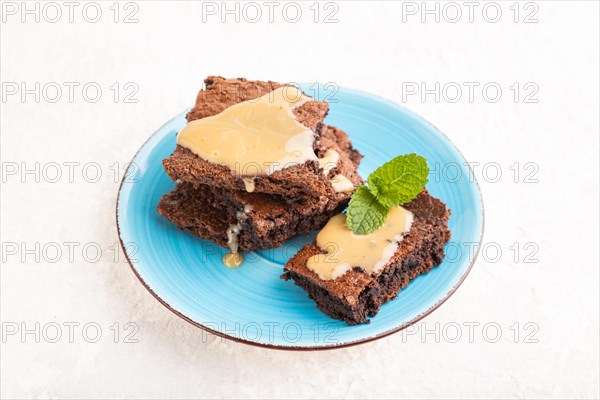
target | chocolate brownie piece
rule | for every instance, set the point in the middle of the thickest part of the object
(220, 93)
(356, 295)
(295, 183)
(265, 221)
(269, 220)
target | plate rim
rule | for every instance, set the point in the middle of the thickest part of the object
(326, 346)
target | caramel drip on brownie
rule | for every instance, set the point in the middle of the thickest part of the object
(342, 184)
(234, 259)
(339, 182)
(346, 250)
(329, 160)
(249, 184)
(254, 137)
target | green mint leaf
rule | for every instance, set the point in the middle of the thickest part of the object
(400, 180)
(365, 214)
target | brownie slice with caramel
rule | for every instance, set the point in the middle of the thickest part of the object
(357, 295)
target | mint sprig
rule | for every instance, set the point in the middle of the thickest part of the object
(365, 213)
(394, 183)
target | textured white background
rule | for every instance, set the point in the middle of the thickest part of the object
(167, 54)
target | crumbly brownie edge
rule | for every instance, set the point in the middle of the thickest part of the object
(208, 212)
(296, 225)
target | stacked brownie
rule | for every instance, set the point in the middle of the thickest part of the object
(209, 199)
(214, 202)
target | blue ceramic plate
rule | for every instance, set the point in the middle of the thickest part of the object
(252, 304)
